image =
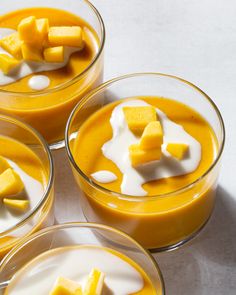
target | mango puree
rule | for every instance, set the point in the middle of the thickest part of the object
(49, 110)
(29, 162)
(157, 220)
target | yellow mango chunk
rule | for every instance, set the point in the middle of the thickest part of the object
(54, 54)
(152, 136)
(67, 36)
(27, 29)
(21, 205)
(31, 53)
(10, 183)
(138, 118)
(139, 156)
(64, 286)
(8, 63)
(177, 150)
(34, 31)
(12, 44)
(3, 165)
(42, 28)
(95, 283)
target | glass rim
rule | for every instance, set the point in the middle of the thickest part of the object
(77, 77)
(103, 86)
(69, 225)
(50, 181)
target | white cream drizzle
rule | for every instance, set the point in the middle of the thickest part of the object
(27, 68)
(39, 82)
(117, 150)
(75, 263)
(104, 176)
(34, 191)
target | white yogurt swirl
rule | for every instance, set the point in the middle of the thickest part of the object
(104, 176)
(75, 263)
(39, 82)
(117, 150)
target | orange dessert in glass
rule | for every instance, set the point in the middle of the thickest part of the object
(26, 183)
(80, 259)
(145, 151)
(51, 55)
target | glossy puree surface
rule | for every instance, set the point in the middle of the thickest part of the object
(97, 130)
(77, 62)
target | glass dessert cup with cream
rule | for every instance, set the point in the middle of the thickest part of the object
(43, 92)
(26, 183)
(161, 203)
(54, 252)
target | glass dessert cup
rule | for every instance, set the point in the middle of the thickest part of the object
(42, 214)
(161, 222)
(48, 110)
(77, 235)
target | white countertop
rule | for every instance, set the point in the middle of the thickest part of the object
(196, 40)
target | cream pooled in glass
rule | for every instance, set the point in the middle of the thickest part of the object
(117, 150)
(70, 268)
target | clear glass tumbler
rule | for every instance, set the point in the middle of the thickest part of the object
(73, 234)
(42, 215)
(160, 222)
(48, 110)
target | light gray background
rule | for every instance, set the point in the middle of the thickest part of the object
(196, 40)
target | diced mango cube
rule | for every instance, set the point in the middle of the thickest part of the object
(27, 29)
(21, 205)
(54, 54)
(139, 156)
(8, 63)
(31, 53)
(4, 165)
(152, 136)
(42, 28)
(138, 118)
(10, 183)
(95, 283)
(177, 150)
(64, 286)
(34, 31)
(67, 36)
(12, 44)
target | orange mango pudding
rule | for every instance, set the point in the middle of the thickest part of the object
(26, 194)
(146, 164)
(102, 267)
(50, 57)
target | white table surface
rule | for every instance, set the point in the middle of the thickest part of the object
(196, 40)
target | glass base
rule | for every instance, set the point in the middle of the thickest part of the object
(181, 243)
(173, 246)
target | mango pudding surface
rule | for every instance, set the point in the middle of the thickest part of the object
(45, 56)
(147, 144)
(23, 181)
(43, 40)
(144, 152)
(98, 270)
